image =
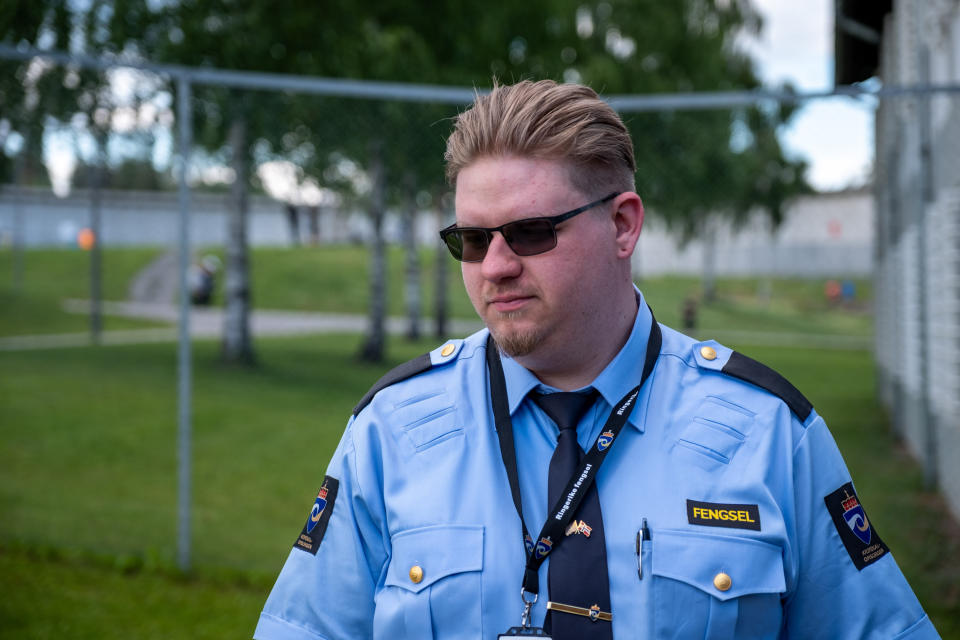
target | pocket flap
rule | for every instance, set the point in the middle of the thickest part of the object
(438, 551)
(753, 566)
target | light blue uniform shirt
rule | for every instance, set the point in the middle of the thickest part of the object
(422, 485)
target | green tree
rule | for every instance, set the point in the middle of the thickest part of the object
(251, 36)
(690, 165)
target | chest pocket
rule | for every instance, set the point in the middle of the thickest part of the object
(432, 588)
(716, 587)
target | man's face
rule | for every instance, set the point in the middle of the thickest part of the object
(534, 304)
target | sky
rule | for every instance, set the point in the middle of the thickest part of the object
(836, 134)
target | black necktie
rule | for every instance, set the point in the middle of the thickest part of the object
(577, 573)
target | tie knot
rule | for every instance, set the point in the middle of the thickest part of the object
(565, 407)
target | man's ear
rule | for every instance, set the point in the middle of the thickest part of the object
(628, 220)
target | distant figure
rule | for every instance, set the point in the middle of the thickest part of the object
(202, 280)
(313, 223)
(832, 291)
(689, 313)
(293, 219)
(848, 290)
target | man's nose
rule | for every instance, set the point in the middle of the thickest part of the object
(500, 262)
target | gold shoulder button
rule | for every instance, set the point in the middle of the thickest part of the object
(447, 349)
(708, 353)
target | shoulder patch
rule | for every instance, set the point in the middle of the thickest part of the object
(859, 537)
(399, 373)
(312, 533)
(760, 375)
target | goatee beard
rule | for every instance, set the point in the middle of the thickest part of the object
(517, 344)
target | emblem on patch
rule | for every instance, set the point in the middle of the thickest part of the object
(861, 541)
(543, 547)
(604, 440)
(316, 526)
(730, 516)
(318, 508)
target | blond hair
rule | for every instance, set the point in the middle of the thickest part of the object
(566, 122)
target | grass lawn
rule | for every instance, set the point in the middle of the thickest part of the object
(88, 441)
(336, 279)
(51, 275)
(50, 596)
(88, 480)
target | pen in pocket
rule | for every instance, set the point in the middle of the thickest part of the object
(642, 534)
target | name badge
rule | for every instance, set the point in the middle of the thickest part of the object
(523, 632)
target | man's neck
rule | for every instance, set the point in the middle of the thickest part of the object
(575, 366)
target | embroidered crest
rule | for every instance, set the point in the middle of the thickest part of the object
(318, 508)
(856, 518)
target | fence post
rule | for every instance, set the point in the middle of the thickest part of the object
(184, 119)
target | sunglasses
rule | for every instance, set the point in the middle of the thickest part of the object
(526, 237)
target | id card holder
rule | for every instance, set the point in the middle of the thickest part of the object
(523, 632)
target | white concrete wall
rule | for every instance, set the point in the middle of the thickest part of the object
(823, 235)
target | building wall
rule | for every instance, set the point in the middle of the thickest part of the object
(823, 235)
(826, 235)
(917, 196)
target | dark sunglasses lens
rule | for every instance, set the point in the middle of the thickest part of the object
(530, 237)
(454, 243)
(468, 245)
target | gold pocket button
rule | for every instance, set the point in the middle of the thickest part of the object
(416, 574)
(722, 582)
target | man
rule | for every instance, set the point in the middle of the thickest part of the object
(683, 491)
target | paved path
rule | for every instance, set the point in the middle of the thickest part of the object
(158, 281)
(208, 323)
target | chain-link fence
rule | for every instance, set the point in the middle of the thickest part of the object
(918, 240)
(341, 162)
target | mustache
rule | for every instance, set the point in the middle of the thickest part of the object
(494, 295)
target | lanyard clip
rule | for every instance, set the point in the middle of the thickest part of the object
(527, 605)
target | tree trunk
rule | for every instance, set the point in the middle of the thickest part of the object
(96, 193)
(442, 270)
(237, 346)
(19, 172)
(375, 342)
(412, 285)
(709, 260)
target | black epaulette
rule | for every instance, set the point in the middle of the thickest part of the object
(712, 355)
(397, 374)
(448, 352)
(760, 375)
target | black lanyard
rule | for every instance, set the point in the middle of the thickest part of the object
(562, 512)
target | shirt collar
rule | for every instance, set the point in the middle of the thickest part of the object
(619, 376)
